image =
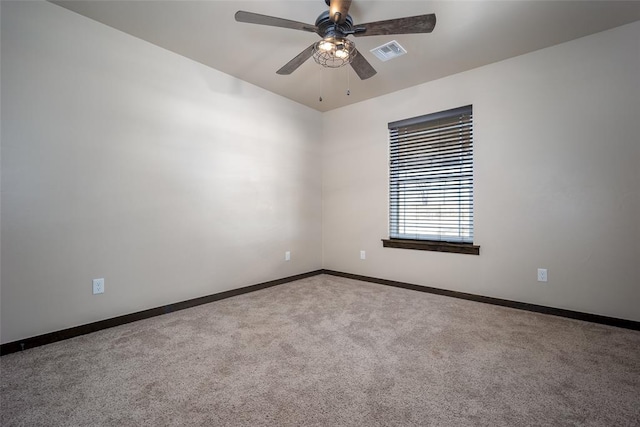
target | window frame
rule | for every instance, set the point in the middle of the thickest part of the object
(440, 241)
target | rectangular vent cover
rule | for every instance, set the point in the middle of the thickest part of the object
(388, 51)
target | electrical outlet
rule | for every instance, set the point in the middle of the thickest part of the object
(287, 256)
(542, 275)
(98, 286)
(363, 255)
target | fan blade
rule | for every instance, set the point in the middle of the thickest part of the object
(256, 18)
(300, 59)
(361, 66)
(409, 25)
(338, 10)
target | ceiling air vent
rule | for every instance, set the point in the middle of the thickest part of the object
(388, 51)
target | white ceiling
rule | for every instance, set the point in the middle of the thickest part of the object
(468, 34)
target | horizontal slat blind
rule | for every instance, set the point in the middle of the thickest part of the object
(431, 177)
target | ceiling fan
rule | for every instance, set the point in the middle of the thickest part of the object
(334, 25)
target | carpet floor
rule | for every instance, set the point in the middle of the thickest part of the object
(330, 351)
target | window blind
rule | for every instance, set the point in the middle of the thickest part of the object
(431, 177)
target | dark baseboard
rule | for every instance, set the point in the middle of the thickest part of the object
(587, 317)
(52, 337)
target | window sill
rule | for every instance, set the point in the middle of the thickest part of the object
(431, 245)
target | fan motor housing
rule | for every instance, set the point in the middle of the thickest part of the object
(328, 28)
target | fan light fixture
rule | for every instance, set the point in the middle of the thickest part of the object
(334, 52)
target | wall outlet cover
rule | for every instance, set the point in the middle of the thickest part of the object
(98, 286)
(542, 275)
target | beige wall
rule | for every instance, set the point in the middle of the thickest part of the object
(125, 161)
(557, 179)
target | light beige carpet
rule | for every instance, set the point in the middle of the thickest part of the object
(329, 351)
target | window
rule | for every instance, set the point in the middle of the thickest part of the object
(431, 182)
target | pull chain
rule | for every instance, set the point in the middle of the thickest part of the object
(321, 84)
(348, 83)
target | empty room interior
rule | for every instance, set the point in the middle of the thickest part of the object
(204, 224)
